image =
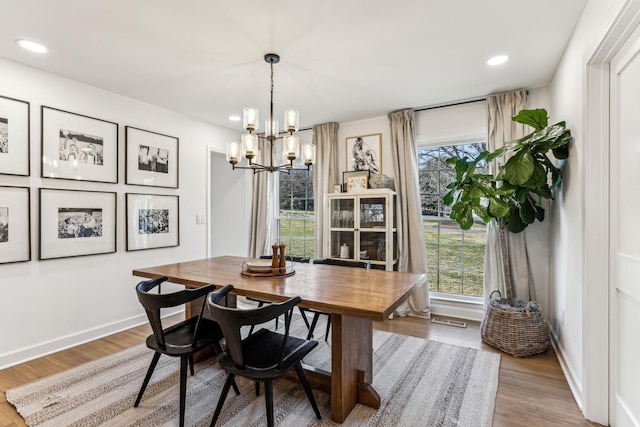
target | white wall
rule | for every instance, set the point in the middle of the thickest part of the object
(567, 314)
(49, 305)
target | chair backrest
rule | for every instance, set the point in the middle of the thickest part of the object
(300, 259)
(154, 302)
(344, 263)
(232, 319)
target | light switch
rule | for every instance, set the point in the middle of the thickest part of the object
(200, 219)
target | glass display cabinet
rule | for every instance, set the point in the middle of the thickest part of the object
(362, 227)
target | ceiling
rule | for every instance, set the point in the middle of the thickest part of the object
(341, 60)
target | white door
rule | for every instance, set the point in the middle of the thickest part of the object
(624, 346)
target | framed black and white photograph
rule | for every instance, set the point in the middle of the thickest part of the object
(76, 223)
(14, 136)
(354, 181)
(153, 221)
(152, 158)
(78, 147)
(364, 153)
(15, 224)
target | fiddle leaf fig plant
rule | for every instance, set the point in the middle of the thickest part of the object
(515, 193)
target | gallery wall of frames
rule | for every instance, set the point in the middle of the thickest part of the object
(75, 222)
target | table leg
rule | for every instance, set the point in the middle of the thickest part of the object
(351, 365)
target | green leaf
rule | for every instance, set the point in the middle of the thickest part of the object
(519, 168)
(537, 119)
(498, 208)
(538, 177)
(514, 224)
(521, 194)
(527, 212)
(561, 152)
(448, 198)
(539, 213)
(481, 211)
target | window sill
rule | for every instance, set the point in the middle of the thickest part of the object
(458, 306)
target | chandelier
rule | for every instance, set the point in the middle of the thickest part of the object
(250, 144)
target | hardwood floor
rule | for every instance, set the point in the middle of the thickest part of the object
(531, 392)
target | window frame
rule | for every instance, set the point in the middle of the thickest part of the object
(309, 220)
(465, 301)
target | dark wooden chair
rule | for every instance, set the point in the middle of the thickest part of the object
(264, 356)
(262, 302)
(181, 340)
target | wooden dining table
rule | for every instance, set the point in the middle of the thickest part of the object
(355, 297)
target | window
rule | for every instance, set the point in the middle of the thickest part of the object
(296, 219)
(455, 258)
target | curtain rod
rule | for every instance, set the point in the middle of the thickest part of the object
(462, 102)
(450, 104)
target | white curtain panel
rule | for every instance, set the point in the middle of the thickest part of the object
(325, 176)
(413, 257)
(502, 129)
(264, 208)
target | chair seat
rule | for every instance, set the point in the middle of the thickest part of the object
(262, 351)
(179, 337)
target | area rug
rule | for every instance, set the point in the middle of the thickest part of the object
(420, 382)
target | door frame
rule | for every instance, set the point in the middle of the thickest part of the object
(595, 387)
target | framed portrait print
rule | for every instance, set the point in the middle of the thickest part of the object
(14, 136)
(153, 221)
(15, 224)
(364, 153)
(78, 147)
(152, 158)
(75, 223)
(354, 181)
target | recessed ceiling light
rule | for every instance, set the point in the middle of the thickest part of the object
(234, 118)
(32, 46)
(497, 60)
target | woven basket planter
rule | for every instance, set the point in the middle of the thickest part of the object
(517, 329)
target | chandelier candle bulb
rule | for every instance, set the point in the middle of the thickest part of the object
(249, 145)
(309, 154)
(271, 128)
(250, 118)
(291, 120)
(233, 152)
(291, 147)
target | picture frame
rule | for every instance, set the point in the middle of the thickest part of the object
(152, 159)
(78, 147)
(355, 181)
(15, 224)
(76, 223)
(364, 152)
(153, 221)
(15, 136)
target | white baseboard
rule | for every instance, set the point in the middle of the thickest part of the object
(574, 384)
(48, 347)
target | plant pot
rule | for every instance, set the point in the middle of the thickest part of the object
(517, 328)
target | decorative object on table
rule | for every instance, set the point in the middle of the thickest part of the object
(152, 159)
(14, 136)
(15, 224)
(282, 259)
(78, 147)
(75, 223)
(363, 153)
(153, 221)
(265, 269)
(378, 180)
(355, 181)
(337, 188)
(344, 251)
(513, 198)
(252, 143)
